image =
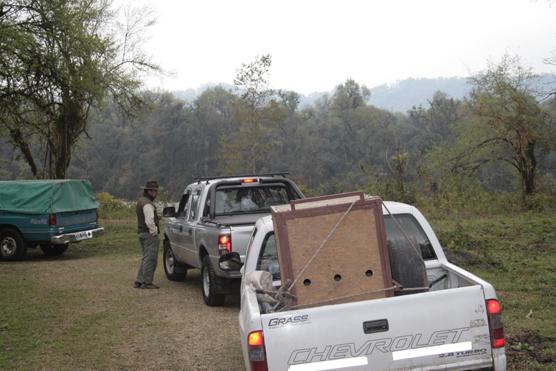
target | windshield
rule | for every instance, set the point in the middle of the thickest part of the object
(246, 200)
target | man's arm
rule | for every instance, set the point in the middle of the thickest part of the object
(148, 211)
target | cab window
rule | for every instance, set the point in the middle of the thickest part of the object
(194, 206)
(182, 206)
(268, 257)
(249, 244)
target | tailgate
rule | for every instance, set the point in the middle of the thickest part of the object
(240, 238)
(77, 219)
(439, 329)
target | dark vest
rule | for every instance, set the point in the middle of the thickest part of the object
(141, 226)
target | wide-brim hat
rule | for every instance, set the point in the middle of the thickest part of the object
(151, 184)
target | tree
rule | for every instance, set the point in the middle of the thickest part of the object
(347, 102)
(58, 59)
(551, 61)
(214, 113)
(434, 124)
(398, 165)
(502, 100)
(243, 150)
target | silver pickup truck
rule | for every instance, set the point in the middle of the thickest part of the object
(453, 325)
(216, 216)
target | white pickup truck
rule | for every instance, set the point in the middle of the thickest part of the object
(454, 325)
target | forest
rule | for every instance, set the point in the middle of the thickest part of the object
(72, 105)
(340, 143)
(499, 140)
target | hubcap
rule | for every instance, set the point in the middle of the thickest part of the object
(206, 282)
(8, 246)
(170, 261)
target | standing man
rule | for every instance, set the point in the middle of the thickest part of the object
(147, 227)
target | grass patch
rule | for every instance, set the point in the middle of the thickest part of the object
(79, 311)
(48, 327)
(70, 313)
(517, 254)
(30, 313)
(49, 322)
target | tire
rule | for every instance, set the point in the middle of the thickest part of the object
(54, 250)
(174, 271)
(209, 284)
(407, 266)
(12, 246)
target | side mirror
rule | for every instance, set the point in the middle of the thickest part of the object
(169, 212)
(230, 262)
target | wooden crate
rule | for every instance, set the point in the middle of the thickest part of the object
(352, 265)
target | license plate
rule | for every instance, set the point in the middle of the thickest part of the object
(85, 235)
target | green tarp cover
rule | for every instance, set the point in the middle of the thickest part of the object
(46, 196)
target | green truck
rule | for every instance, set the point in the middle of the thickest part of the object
(48, 214)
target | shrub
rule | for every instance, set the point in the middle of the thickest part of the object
(114, 208)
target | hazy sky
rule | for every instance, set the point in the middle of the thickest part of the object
(316, 45)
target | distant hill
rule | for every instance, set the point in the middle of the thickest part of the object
(399, 96)
(402, 95)
(190, 95)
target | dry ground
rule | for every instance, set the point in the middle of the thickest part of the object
(80, 311)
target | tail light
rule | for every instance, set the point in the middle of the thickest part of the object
(256, 351)
(52, 219)
(494, 311)
(225, 243)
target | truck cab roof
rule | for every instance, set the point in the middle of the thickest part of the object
(242, 179)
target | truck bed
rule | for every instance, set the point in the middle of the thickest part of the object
(446, 327)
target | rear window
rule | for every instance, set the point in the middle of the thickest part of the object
(246, 200)
(412, 230)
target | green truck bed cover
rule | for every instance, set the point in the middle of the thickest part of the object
(46, 196)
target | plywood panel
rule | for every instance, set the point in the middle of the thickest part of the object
(353, 265)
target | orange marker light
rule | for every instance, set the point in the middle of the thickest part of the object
(255, 339)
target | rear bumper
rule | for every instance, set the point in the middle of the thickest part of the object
(499, 356)
(226, 274)
(76, 236)
(229, 275)
(229, 286)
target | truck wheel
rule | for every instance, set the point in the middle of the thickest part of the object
(208, 288)
(12, 246)
(54, 250)
(174, 271)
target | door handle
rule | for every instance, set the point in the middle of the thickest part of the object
(379, 325)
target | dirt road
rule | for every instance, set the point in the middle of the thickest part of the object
(82, 313)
